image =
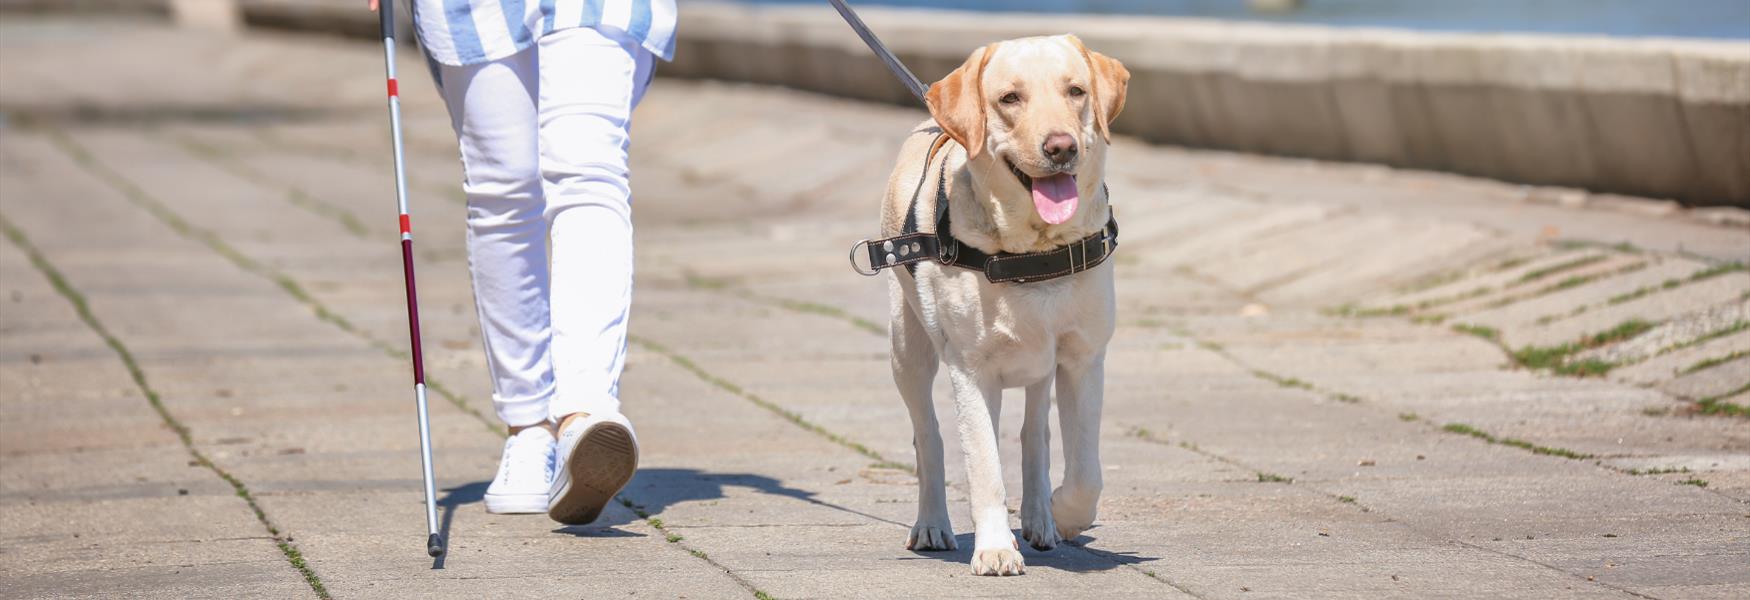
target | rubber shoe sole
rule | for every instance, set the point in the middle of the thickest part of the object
(601, 464)
(516, 504)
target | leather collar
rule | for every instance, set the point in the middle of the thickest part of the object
(912, 245)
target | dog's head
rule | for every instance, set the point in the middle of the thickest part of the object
(1040, 108)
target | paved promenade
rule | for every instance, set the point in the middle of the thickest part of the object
(1328, 380)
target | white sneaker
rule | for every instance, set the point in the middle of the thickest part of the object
(524, 473)
(596, 457)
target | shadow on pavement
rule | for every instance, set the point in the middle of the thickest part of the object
(1074, 556)
(452, 499)
(654, 490)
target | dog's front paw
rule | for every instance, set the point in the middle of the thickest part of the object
(929, 537)
(1038, 528)
(1074, 513)
(997, 561)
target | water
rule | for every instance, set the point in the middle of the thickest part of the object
(1641, 18)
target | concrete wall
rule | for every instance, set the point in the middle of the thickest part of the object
(1652, 117)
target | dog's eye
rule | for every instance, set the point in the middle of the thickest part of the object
(1076, 91)
(1010, 98)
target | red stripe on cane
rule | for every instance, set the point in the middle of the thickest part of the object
(394, 90)
(406, 224)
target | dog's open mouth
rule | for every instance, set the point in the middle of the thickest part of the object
(1054, 197)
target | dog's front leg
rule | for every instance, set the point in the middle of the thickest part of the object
(914, 370)
(977, 404)
(1079, 389)
(1037, 526)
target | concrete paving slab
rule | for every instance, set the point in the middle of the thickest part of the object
(760, 386)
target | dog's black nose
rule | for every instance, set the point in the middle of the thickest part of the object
(1060, 148)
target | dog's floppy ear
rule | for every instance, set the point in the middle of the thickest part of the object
(957, 102)
(1111, 81)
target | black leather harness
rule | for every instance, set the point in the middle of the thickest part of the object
(913, 246)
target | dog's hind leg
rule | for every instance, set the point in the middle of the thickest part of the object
(914, 371)
(976, 404)
(1037, 526)
(1079, 391)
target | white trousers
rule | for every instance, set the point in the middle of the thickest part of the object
(544, 136)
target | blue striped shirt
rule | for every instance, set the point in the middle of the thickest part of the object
(467, 32)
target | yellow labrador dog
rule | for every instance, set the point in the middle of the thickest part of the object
(1024, 177)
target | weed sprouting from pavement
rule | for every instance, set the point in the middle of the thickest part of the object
(1555, 358)
(1713, 362)
(1273, 478)
(1481, 331)
(1537, 274)
(1700, 483)
(1281, 380)
(1717, 405)
(1463, 429)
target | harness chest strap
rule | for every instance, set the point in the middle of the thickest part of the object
(913, 246)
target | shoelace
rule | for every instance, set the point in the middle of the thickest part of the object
(519, 470)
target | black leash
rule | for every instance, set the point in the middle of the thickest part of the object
(905, 77)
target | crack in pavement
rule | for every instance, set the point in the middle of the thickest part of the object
(176, 223)
(728, 288)
(80, 306)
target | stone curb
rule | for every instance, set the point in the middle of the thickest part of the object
(1652, 117)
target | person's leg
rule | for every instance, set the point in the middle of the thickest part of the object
(590, 81)
(492, 108)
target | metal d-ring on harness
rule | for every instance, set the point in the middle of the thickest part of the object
(912, 246)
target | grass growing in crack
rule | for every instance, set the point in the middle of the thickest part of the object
(1346, 499)
(1537, 274)
(796, 419)
(1280, 380)
(1707, 273)
(699, 554)
(1398, 310)
(1463, 429)
(1482, 331)
(1714, 362)
(1408, 417)
(674, 538)
(1695, 482)
(800, 306)
(1717, 405)
(83, 309)
(1555, 358)
(1591, 367)
(1299, 384)
(1273, 478)
(1735, 327)
(1658, 471)
(1717, 270)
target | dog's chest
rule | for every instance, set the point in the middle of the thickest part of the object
(1017, 334)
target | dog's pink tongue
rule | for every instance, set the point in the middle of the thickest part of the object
(1055, 197)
